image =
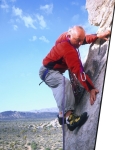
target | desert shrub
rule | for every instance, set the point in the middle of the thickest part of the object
(47, 149)
(34, 146)
(18, 135)
(24, 137)
(28, 143)
(12, 145)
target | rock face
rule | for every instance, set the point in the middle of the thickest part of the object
(100, 13)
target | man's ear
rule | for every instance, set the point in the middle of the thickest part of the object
(68, 36)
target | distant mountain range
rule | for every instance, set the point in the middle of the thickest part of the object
(34, 114)
(46, 110)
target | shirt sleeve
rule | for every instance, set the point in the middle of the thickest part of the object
(90, 39)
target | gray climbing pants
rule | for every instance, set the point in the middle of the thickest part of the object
(54, 79)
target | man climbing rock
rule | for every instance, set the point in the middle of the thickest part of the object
(63, 56)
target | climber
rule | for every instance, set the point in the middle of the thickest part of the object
(63, 56)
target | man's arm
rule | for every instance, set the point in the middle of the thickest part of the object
(90, 39)
(93, 37)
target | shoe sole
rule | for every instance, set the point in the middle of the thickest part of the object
(83, 119)
(60, 120)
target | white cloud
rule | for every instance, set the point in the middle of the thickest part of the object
(17, 11)
(4, 5)
(41, 21)
(29, 22)
(47, 8)
(34, 38)
(43, 38)
(17, 20)
(15, 27)
(27, 19)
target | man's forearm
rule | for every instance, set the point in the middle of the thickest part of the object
(90, 39)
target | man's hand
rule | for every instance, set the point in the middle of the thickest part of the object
(93, 93)
(104, 35)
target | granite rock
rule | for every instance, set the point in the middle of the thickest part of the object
(100, 14)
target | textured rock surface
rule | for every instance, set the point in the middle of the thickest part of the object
(100, 13)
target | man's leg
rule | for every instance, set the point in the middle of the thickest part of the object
(54, 79)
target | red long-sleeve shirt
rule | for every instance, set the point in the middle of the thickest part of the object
(64, 56)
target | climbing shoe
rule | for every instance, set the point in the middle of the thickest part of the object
(76, 121)
(60, 120)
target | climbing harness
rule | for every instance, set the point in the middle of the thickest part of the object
(44, 75)
(77, 89)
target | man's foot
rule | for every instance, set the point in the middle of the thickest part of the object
(76, 121)
(60, 120)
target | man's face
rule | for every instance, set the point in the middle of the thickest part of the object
(77, 38)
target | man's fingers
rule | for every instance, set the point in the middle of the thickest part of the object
(106, 39)
(92, 101)
(96, 91)
(103, 35)
(109, 32)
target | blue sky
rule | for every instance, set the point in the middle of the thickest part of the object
(28, 30)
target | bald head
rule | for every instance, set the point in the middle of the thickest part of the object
(75, 29)
(76, 35)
